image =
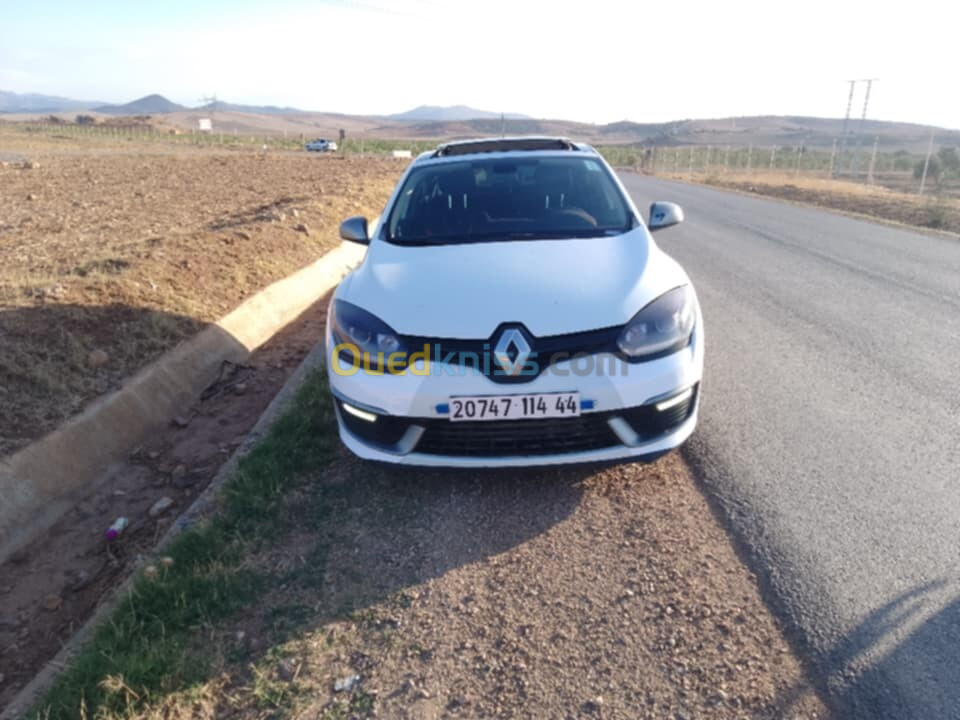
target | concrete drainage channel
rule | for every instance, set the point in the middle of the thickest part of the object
(39, 483)
(45, 480)
(199, 509)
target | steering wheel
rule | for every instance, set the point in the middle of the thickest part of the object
(574, 218)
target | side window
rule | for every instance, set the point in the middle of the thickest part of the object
(400, 211)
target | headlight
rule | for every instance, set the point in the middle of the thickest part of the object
(371, 335)
(662, 326)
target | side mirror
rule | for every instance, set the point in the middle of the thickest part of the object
(664, 214)
(355, 230)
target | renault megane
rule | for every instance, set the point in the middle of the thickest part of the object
(513, 309)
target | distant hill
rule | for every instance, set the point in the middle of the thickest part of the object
(147, 105)
(453, 113)
(768, 130)
(220, 106)
(11, 102)
(435, 123)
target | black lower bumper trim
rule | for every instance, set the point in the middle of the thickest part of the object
(513, 438)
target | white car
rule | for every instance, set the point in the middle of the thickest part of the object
(513, 309)
(321, 145)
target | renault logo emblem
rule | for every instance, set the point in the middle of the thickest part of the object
(512, 351)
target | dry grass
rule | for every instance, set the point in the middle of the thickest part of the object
(930, 210)
(820, 184)
(130, 253)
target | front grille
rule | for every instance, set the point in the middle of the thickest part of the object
(476, 355)
(507, 438)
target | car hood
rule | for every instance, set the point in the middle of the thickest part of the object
(552, 287)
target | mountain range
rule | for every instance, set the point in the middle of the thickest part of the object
(430, 123)
(157, 105)
(11, 102)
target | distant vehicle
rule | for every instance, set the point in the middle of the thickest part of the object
(321, 145)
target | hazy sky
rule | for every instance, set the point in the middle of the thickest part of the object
(592, 60)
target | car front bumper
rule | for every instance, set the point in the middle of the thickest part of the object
(619, 420)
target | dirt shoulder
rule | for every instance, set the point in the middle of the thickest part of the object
(108, 260)
(557, 593)
(570, 593)
(930, 211)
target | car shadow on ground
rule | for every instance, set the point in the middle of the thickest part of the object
(362, 538)
(460, 517)
(382, 529)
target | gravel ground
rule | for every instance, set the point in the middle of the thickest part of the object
(560, 594)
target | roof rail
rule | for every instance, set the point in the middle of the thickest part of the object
(506, 144)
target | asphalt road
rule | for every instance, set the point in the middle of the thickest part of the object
(830, 433)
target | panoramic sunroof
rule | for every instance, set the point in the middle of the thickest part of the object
(504, 145)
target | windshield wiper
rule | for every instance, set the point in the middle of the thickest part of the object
(563, 234)
(469, 238)
(424, 241)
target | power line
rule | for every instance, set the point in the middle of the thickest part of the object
(211, 101)
(863, 122)
(926, 163)
(846, 123)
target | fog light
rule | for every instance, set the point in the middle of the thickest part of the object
(357, 412)
(674, 401)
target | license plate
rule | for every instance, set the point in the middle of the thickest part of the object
(514, 407)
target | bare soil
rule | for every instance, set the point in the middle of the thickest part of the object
(107, 259)
(930, 211)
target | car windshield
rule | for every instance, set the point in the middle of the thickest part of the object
(510, 198)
